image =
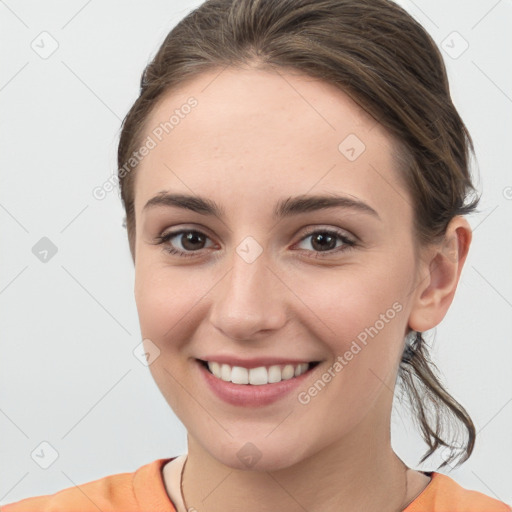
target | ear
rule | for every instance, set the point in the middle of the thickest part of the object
(438, 276)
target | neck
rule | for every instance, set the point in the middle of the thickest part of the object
(359, 472)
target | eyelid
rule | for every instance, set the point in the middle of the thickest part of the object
(339, 231)
(173, 231)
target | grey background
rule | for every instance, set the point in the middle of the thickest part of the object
(69, 326)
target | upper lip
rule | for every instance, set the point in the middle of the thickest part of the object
(254, 362)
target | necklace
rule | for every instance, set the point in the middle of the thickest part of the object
(181, 485)
(402, 507)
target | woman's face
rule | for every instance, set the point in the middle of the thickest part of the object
(268, 280)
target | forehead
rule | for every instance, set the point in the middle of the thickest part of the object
(261, 134)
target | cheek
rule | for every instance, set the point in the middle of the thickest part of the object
(364, 337)
(166, 303)
(168, 309)
(343, 304)
(362, 315)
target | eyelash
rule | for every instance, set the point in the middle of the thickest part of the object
(348, 243)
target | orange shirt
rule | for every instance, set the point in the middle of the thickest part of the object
(144, 491)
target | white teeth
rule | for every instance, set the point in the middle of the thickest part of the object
(215, 369)
(274, 374)
(225, 372)
(239, 375)
(256, 376)
(287, 372)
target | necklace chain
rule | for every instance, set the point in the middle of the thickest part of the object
(181, 485)
(402, 507)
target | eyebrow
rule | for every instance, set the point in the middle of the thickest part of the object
(284, 208)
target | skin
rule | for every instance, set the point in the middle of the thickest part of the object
(256, 137)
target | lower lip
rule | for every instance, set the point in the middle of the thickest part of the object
(249, 395)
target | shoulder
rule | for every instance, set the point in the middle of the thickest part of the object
(102, 494)
(443, 494)
(120, 492)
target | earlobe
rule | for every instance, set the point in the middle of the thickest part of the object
(440, 275)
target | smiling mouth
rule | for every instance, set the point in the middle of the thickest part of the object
(257, 376)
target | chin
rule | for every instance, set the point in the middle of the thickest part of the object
(260, 454)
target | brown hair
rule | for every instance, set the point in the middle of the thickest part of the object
(374, 51)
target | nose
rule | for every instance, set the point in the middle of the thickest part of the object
(249, 299)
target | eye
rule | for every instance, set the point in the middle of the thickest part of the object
(190, 239)
(324, 241)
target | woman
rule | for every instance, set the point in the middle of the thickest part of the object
(295, 179)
